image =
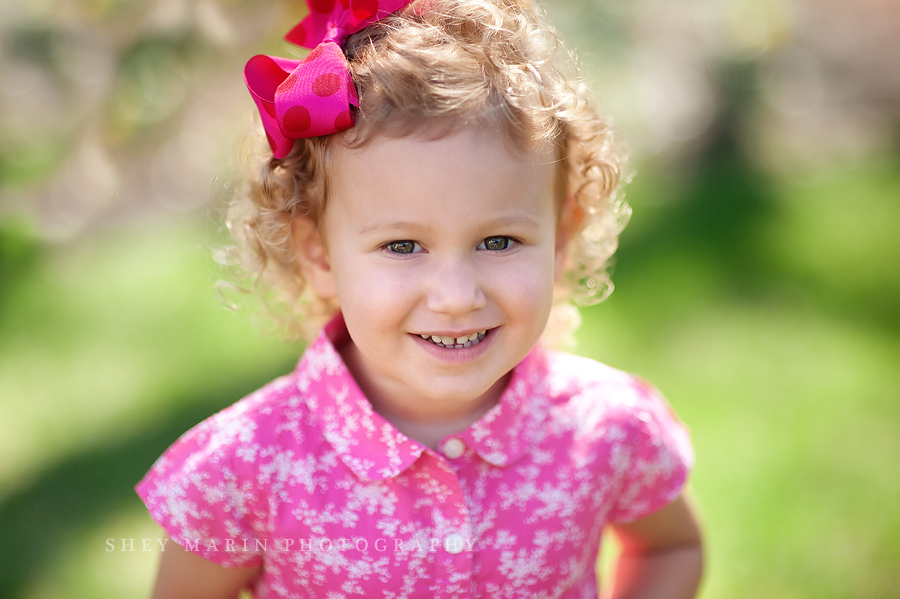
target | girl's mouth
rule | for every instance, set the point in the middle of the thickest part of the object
(457, 342)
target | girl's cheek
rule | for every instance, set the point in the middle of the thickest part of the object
(523, 290)
(386, 284)
(534, 269)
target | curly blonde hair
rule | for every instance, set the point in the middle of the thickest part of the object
(444, 63)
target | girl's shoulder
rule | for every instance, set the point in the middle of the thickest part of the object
(215, 482)
(575, 377)
(600, 396)
(274, 418)
(566, 368)
(621, 416)
(265, 412)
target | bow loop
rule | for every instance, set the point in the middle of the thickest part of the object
(313, 96)
(302, 98)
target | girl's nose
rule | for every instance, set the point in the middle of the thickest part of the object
(455, 289)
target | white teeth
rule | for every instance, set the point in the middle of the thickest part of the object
(457, 343)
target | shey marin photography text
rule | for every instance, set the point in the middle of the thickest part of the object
(452, 543)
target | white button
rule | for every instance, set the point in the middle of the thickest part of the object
(453, 448)
(454, 544)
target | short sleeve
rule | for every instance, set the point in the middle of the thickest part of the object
(200, 492)
(659, 453)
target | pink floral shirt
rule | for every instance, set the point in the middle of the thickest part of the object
(305, 478)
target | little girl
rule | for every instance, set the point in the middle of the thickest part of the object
(437, 187)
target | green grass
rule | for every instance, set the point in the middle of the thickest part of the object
(765, 309)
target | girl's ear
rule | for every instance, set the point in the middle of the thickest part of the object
(570, 217)
(313, 257)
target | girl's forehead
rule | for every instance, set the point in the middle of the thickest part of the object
(454, 145)
(450, 158)
(467, 170)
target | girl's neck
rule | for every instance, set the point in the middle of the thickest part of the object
(419, 418)
(430, 433)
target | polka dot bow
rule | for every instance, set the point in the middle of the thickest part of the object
(311, 97)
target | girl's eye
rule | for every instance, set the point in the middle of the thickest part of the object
(495, 244)
(402, 247)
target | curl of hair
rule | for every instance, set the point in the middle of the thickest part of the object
(434, 66)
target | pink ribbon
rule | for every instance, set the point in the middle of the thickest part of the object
(311, 97)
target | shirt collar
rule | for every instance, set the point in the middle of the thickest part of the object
(503, 434)
(374, 450)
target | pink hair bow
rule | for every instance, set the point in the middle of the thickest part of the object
(311, 97)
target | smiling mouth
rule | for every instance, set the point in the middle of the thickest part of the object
(456, 342)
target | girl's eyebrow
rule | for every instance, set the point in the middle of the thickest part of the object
(404, 225)
(514, 220)
(521, 220)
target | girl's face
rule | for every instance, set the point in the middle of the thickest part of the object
(442, 254)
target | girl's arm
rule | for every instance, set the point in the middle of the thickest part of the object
(662, 555)
(185, 575)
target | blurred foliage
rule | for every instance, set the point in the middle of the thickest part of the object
(757, 283)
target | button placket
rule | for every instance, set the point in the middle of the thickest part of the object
(454, 558)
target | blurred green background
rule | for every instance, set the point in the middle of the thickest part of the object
(758, 284)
